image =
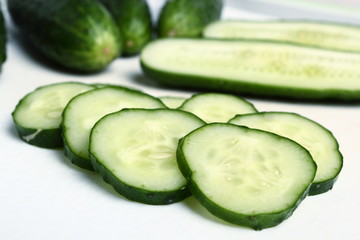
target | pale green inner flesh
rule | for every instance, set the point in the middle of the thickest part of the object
(216, 107)
(340, 37)
(87, 109)
(264, 63)
(139, 147)
(318, 141)
(42, 108)
(172, 102)
(247, 171)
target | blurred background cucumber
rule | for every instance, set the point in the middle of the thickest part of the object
(134, 21)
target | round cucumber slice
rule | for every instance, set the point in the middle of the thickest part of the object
(135, 151)
(38, 115)
(245, 176)
(319, 141)
(86, 109)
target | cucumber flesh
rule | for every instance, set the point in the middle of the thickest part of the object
(217, 107)
(260, 68)
(339, 37)
(139, 158)
(245, 176)
(37, 116)
(172, 102)
(319, 141)
(86, 109)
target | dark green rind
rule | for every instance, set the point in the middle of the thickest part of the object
(3, 39)
(196, 82)
(187, 18)
(69, 32)
(134, 21)
(138, 194)
(256, 221)
(76, 159)
(322, 187)
(326, 185)
(70, 154)
(45, 138)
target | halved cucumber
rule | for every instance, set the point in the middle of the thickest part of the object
(259, 68)
(334, 36)
(245, 176)
(86, 109)
(135, 151)
(217, 107)
(37, 116)
(319, 141)
(172, 102)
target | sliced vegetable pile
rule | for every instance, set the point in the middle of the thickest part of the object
(246, 167)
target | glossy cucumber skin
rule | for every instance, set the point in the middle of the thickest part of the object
(134, 21)
(138, 194)
(77, 34)
(187, 18)
(45, 138)
(3, 39)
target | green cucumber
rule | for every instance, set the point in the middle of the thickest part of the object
(133, 19)
(333, 36)
(3, 38)
(84, 110)
(37, 116)
(259, 68)
(172, 102)
(139, 158)
(217, 107)
(245, 176)
(319, 141)
(78, 35)
(187, 18)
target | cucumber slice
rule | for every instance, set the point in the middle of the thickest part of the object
(260, 68)
(245, 176)
(217, 107)
(334, 36)
(319, 141)
(86, 109)
(139, 158)
(37, 116)
(172, 102)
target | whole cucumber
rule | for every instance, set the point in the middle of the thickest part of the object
(2, 39)
(187, 18)
(133, 18)
(77, 34)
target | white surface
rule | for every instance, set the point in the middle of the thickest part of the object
(43, 196)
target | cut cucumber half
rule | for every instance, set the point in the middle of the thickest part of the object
(217, 107)
(139, 158)
(259, 68)
(86, 109)
(245, 176)
(172, 102)
(333, 36)
(319, 141)
(37, 116)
